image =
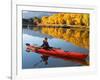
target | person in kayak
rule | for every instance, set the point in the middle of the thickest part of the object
(45, 44)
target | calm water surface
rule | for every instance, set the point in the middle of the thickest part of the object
(33, 60)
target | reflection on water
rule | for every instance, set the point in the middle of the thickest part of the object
(79, 37)
(34, 60)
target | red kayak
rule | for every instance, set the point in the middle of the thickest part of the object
(55, 52)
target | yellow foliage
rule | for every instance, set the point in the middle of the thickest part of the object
(85, 19)
(44, 20)
(67, 18)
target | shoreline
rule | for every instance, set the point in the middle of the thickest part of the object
(35, 33)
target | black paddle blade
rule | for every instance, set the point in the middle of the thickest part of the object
(27, 44)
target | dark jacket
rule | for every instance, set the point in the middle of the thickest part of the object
(45, 44)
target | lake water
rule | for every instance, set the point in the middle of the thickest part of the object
(33, 60)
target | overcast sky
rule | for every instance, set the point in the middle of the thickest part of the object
(32, 14)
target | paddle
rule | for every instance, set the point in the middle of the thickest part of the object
(27, 44)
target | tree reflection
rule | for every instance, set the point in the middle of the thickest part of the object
(78, 37)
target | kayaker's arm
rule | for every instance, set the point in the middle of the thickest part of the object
(42, 45)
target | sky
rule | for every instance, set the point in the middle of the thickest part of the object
(32, 14)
